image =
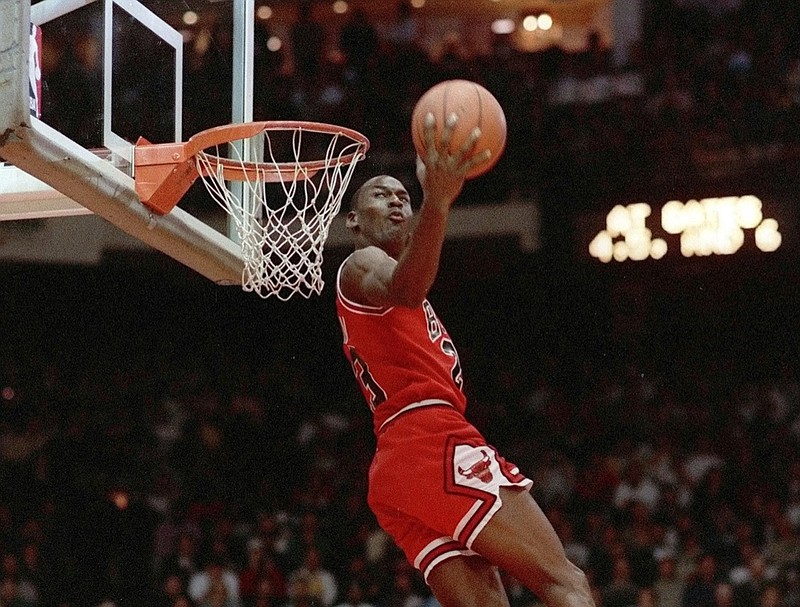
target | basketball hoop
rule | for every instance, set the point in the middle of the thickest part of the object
(293, 176)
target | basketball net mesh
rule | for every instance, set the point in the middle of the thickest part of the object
(285, 211)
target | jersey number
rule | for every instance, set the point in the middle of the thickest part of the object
(435, 331)
(449, 349)
(375, 394)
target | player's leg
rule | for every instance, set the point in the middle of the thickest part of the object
(467, 581)
(520, 540)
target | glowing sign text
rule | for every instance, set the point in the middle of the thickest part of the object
(711, 226)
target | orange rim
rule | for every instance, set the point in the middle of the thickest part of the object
(164, 172)
(236, 170)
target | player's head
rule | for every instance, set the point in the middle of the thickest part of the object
(380, 214)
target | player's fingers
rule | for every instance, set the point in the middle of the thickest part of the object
(429, 131)
(447, 131)
(429, 134)
(467, 148)
(477, 159)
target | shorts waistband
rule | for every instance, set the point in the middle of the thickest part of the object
(432, 402)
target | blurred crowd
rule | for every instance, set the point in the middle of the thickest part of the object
(167, 457)
(215, 453)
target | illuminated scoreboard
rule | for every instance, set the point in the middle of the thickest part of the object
(709, 226)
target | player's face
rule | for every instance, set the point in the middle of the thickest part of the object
(383, 214)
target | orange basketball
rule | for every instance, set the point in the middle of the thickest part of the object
(474, 106)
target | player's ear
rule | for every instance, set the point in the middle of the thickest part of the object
(351, 223)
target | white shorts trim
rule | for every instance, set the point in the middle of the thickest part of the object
(443, 556)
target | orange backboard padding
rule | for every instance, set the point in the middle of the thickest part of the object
(163, 174)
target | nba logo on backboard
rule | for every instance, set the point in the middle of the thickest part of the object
(35, 71)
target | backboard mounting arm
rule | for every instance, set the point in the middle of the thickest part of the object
(108, 193)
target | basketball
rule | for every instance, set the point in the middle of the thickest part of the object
(475, 107)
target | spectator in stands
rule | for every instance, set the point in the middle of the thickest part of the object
(576, 550)
(791, 586)
(722, 596)
(782, 549)
(750, 580)
(358, 41)
(668, 588)
(402, 592)
(313, 580)
(34, 574)
(704, 585)
(354, 596)
(308, 43)
(249, 574)
(216, 585)
(771, 596)
(620, 591)
(636, 486)
(184, 561)
(274, 577)
(10, 595)
(171, 589)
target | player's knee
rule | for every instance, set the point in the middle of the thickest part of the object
(574, 585)
(486, 596)
(581, 582)
(467, 582)
(472, 595)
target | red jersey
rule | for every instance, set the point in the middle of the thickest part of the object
(402, 358)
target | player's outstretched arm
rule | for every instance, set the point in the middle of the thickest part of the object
(441, 174)
(404, 277)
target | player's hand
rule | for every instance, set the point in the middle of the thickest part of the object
(442, 171)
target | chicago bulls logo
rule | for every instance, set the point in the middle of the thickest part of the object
(480, 469)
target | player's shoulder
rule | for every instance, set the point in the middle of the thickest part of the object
(359, 270)
(364, 258)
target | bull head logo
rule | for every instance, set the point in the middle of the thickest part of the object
(479, 469)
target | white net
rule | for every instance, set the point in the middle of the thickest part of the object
(285, 208)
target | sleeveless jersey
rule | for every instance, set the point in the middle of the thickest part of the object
(402, 358)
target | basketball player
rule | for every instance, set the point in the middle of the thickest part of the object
(457, 509)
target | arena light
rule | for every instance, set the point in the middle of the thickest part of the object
(530, 23)
(274, 44)
(503, 26)
(119, 498)
(620, 251)
(417, 3)
(340, 7)
(190, 18)
(264, 12)
(544, 21)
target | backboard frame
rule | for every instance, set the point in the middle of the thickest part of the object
(148, 19)
(59, 162)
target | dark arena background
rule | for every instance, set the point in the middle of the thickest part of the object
(168, 442)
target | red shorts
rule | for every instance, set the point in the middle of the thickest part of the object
(434, 484)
